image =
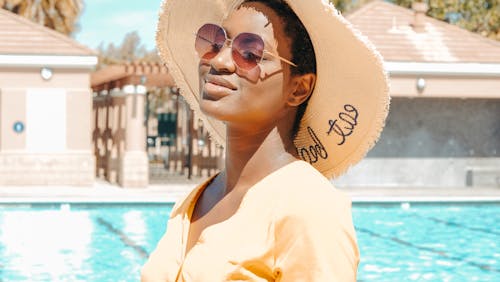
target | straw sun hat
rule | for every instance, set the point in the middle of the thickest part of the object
(350, 101)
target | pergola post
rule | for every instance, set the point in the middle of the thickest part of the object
(134, 164)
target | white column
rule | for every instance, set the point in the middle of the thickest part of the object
(134, 163)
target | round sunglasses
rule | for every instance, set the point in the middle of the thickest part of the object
(247, 49)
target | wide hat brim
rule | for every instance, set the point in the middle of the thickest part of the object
(350, 101)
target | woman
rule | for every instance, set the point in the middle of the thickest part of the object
(274, 88)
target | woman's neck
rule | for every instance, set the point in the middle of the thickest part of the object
(250, 156)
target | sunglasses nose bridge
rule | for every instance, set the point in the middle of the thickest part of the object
(223, 61)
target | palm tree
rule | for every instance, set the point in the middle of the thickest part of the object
(60, 15)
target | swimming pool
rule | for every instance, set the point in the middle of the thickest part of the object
(428, 242)
(398, 242)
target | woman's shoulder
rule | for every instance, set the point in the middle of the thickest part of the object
(184, 202)
(304, 191)
(313, 223)
(301, 180)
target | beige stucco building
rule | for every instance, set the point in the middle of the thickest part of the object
(45, 106)
(443, 128)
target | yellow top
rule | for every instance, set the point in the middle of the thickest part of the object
(293, 225)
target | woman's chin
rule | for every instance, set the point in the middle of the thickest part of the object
(212, 109)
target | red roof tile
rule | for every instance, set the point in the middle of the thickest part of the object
(388, 27)
(21, 36)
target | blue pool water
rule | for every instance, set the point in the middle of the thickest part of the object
(428, 242)
(424, 242)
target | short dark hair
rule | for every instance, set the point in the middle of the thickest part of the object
(302, 49)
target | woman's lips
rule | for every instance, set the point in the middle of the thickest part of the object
(217, 87)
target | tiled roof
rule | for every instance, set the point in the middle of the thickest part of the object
(388, 28)
(21, 36)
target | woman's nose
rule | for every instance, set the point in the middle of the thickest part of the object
(223, 62)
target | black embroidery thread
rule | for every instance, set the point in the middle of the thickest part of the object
(350, 120)
(315, 151)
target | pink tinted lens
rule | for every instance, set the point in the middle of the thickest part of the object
(210, 38)
(247, 50)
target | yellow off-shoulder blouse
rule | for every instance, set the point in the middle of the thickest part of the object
(293, 225)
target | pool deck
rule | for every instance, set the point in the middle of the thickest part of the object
(103, 192)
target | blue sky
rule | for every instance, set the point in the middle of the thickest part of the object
(109, 20)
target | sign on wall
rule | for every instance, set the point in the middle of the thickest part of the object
(18, 127)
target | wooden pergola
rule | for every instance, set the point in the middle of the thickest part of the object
(149, 74)
(143, 130)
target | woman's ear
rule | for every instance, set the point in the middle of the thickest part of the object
(303, 86)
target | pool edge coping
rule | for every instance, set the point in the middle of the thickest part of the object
(171, 200)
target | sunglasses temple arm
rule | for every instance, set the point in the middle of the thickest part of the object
(281, 58)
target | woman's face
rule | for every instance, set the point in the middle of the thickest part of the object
(255, 98)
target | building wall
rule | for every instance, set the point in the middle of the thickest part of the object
(55, 145)
(79, 105)
(442, 86)
(440, 128)
(434, 142)
(12, 109)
